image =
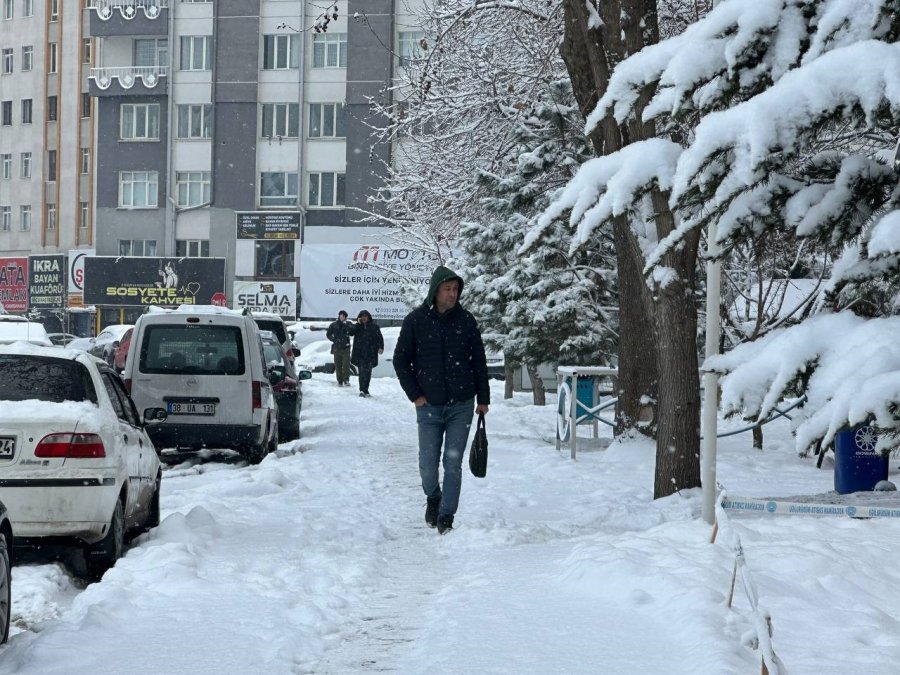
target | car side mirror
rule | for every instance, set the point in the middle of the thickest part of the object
(276, 374)
(155, 415)
(304, 375)
(295, 351)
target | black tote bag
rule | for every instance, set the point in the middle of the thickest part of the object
(478, 453)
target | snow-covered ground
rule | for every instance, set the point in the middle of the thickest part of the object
(318, 561)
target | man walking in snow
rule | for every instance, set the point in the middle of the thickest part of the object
(441, 366)
(368, 343)
(339, 333)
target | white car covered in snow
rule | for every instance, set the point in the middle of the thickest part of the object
(75, 462)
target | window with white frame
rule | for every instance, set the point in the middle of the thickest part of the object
(51, 108)
(5, 218)
(139, 122)
(51, 216)
(151, 52)
(281, 52)
(6, 113)
(6, 166)
(326, 120)
(326, 189)
(194, 120)
(85, 160)
(409, 46)
(275, 259)
(27, 7)
(278, 188)
(27, 57)
(138, 189)
(25, 163)
(85, 221)
(51, 165)
(52, 57)
(192, 248)
(54, 10)
(192, 188)
(87, 47)
(26, 111)
(138, 247)
(25, 218)
(196, 52)
(8, 9)
(6, 61)
(330, 50)
(280, 119)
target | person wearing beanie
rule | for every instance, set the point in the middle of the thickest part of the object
(339, 333)
(368, 343)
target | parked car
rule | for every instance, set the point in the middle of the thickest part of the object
(6, 561)
(75, 461)
(121, 352)
(61, 339)
(23, 331)
(286, 385)
(205, 366)
(107, 341)
(274, 323)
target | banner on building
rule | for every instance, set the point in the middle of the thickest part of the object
(278, 297)
(47, 281)
(76, 275)
(367, 276)
(268, 224)
(166, 282)
(14, 284)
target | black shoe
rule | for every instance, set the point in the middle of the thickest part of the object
(362, 394)
(444, 524)
(431, 511)
(366, 394)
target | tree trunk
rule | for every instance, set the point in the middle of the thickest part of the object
(758, 438)
(539, 391)
(509, 370)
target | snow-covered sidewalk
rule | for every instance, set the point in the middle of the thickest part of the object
(318, 561)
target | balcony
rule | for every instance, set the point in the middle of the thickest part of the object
(128, 81)
(128, 17)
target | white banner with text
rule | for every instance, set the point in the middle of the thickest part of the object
(277, 297)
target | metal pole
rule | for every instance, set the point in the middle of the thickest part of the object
(711, 380)
(573, 414)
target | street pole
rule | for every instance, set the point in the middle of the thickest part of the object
(710, 379)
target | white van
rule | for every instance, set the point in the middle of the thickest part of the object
(205, 366)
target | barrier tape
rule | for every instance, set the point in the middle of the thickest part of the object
(775, 507)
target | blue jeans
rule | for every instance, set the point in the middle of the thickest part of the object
(446, 425)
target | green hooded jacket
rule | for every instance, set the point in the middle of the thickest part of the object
(441, 274)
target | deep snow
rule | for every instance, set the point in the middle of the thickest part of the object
(318, 561)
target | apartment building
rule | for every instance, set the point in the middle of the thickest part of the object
(209, 110)
(46, 164)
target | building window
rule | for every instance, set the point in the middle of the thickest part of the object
(6, 113)
(87, 46)
(5, 218)
(7, 9)
(26, 111)
(52, 57)
(281, 52)
(85, 104)
(194, 121)
(54, 10)
(275, 259)
(326, 189)
(25, 162)
(409, 47)
(6, 166)
(51, 216)
(85, 216)
(151, 52)
(7, 61)
(280, 119)
(51, 108)
(27, 7)
(192, 248)
(196, 52)
(138, 189)
(51, 165)
(85, 160)
(278, 188)
(27, 57)
(326, 120)
(139, 247)
(25, 218)
(192, 188)
(330, 50)
(139, 122)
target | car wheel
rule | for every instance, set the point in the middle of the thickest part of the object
(5, 590)
(101, 556)
(153, 515)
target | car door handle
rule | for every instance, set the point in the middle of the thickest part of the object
(126, 438)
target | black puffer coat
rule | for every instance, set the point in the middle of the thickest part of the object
(339, 333)
(441, 356)
(367, 340)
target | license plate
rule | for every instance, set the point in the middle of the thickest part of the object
(191, 408)
(7, 447)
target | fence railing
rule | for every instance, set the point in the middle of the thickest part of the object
(128, 75)
(127, 8)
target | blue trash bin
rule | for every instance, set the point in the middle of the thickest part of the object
(857, 467)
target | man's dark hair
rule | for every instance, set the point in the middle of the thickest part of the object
(342, 312)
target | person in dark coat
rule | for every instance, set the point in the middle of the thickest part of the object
(339, 333)
(442, 368)
(367, 345)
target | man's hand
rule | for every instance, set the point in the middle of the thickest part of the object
(482, 408)
(381, 351)
(419, 402)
